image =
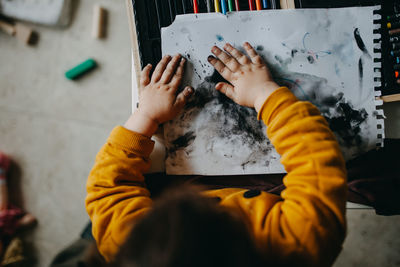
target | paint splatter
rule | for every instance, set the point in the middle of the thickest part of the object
(310, 59)
(219, 38)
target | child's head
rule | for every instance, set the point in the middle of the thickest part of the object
(185, 229)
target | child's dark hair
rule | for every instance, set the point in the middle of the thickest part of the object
(186, 229)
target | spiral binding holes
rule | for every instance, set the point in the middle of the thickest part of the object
(377, 65)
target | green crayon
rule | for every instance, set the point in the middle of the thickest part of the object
(81, 69)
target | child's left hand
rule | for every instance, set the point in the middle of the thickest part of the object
(158, 99)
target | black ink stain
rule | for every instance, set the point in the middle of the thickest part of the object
(347, 123)
(260, 48)
(360, 71)
(293, 52)
(360, 42)
(182, 141)
(310, 59)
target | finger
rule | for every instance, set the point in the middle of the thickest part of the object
(160, 68)
(183, 97)
(170, 69)
(226, 88)
(255, 58)
(220, 67)
(145, 75)
(227, 59)
(239, 56)
(177, 78)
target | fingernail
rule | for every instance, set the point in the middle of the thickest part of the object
(214, 49)
(167, 56)
(210, 58)
(190, 90)
(183, 60)
(149, 65)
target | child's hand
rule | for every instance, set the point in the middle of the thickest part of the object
(250, 80)
(158, 100)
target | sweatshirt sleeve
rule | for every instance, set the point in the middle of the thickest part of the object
(308, 225)
(117, 195)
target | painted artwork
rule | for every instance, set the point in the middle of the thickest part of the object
(325, 56)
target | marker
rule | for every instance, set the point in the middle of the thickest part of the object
(237, 5)
(223, 6)
(216, 6)
(258, 4)
(398, 81)
(265, 4)
(195, 7)
(391, 25)
(230, 5)
(394, 31)
(396, 74)
(251, 5)
(208, 6)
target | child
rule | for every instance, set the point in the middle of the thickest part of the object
(305, 226)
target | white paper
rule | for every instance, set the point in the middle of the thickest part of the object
(312, 51)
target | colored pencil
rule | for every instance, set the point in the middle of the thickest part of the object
(208, 6)
(394, 31)
(251, 5)
(223, 6)
(396, 74)
(230, 5)
(258, 4)
(237, 5)
(216, 6)
(265, 4)
(183, 6)
(393, 25)
(398, 60)
(195, 7)
(273, 4)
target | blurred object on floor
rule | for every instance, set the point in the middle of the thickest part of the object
(47, 12)
(81, 69)
(19, 30)
(12, 219)
(99, 22)
(14, 254)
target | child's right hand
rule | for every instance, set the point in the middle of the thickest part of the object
(250, 80)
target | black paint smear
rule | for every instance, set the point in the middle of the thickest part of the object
(230, 121)
(246, 125)
(360, 71)
(182, 141)
(293, 52)
(347, 124)
(260, 48)
(310, 59)
(360, 42)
